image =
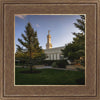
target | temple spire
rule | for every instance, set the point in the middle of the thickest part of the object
(48, 45)
(48, 32)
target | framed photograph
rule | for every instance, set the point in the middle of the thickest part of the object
(49, 50)
(44, 54)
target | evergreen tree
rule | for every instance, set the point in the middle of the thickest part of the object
(76, 49)
(81, 24)
(29, 49)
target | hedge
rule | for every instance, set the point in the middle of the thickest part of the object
(60, 63)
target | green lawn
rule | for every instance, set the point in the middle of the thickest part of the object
(49, 77)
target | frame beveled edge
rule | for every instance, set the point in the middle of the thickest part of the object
(14, 49)
(51, 1)
(1, 49)
(49, 98)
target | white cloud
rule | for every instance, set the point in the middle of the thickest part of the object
(37, 25)
(21, 16)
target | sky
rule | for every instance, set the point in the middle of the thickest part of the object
(61, 28)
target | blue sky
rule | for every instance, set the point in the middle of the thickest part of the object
(61, 28)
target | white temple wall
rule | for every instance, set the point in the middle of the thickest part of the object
(51, 56)
(53, 53)
(55, 57)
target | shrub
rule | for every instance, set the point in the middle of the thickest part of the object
(62, 64)
(83, 63)
(54, 64)
(49, 62)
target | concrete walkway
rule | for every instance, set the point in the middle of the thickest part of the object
(50, 67)
(68, 67)
(75, 67)
(44, 67)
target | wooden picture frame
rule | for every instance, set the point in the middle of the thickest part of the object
(89, 91)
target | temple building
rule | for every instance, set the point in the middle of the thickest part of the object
(52, 53)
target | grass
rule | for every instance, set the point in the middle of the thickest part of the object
(49, 77)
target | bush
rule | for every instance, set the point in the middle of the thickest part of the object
(62, 64)
(22, 62)
(49, 62)
(59, 63)
(54, 64)
(83, 63)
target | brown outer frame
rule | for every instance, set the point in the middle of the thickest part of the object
(88, 89)
(97, 97)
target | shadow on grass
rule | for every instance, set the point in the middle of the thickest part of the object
(80, 81)
(30, 72)
(48, 77)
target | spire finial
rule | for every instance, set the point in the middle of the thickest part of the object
(48, 31)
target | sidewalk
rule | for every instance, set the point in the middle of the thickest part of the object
(68, 67)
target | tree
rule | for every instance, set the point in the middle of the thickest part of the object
(81, 24)
(29, 49)
(76, 49)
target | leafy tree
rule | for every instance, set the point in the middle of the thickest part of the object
(29, 49)
(76, 49)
